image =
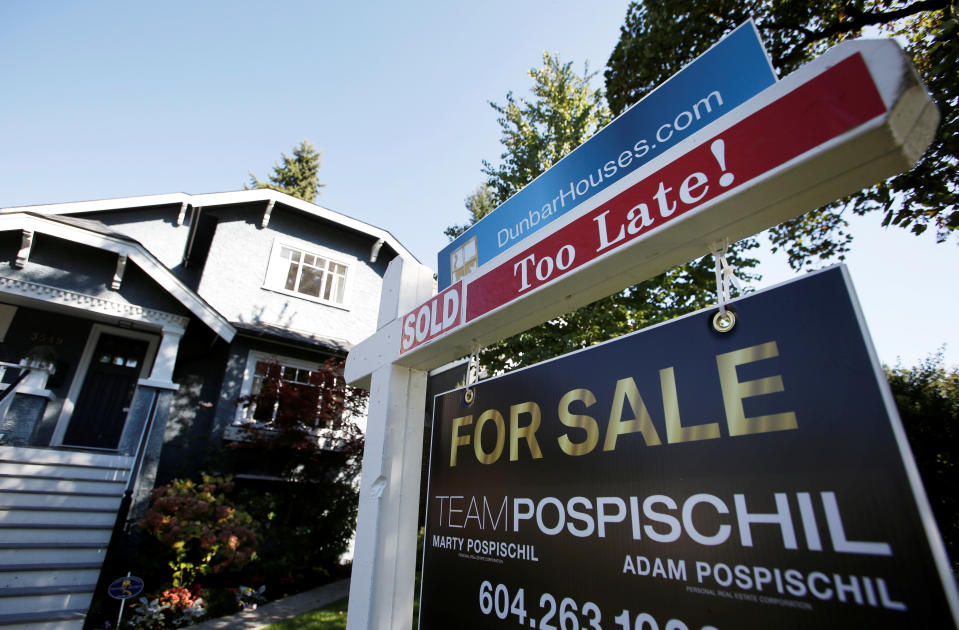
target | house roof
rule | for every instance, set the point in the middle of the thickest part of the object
(96, 234)
(209, 200)
(299, 337)
(90, 225)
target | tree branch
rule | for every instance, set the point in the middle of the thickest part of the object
(858, 20)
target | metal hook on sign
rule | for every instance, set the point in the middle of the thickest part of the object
(472, 374)
(725, 320)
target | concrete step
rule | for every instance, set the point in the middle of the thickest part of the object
(20, 515)
(76, 500)
(49, 574)
(60, 484)
(45, 598)
(49, 620)
(37, 553)
(55, 533)
(30, 469)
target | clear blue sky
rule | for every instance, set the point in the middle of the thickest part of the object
(113, 99)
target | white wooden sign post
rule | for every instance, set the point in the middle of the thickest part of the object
(850, 118)
(381, 590)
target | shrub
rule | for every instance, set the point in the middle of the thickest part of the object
(304, 528)
(174, 608)
(927, 396)
(200, 529)
(306, 447)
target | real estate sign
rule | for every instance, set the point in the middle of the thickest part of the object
(725, 76)
(836, 101)
(846, 120)
(677, 478)
(681, 478)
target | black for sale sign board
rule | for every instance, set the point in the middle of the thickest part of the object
(681, 478)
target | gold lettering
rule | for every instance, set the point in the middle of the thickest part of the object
(626, 390)
(492, 456)
(588, 423)
(734, 391)
(459, 440)
(529, 431)
(675, 431)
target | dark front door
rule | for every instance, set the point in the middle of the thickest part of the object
(104, 399)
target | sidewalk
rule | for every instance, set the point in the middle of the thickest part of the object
(280, 609)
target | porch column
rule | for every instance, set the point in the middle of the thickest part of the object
(162, 373)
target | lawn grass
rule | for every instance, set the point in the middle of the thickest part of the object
(330, 617)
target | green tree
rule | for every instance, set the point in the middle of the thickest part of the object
(563, 111)
(659, 38)
(297, 176)
(928, 400)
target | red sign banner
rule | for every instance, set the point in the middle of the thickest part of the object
(432, 318)
(838, 100)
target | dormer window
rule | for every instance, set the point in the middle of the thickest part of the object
(307, 274)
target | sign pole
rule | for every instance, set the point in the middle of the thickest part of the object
(384, 560)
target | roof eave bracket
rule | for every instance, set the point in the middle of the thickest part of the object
(118, 274)
(376, 250)
(266, 214)
(26, 245)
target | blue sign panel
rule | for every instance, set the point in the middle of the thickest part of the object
(125, 587)
(725, 76)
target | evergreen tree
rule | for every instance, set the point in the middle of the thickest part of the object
(297, 176)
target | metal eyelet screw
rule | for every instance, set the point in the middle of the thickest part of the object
(724, 324)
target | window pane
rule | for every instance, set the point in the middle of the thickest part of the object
(291, 277)
(336, 283)
(263, 408)
(287, 393)
(311, 281)
(309, 259)
(330, 281)
(291, 254)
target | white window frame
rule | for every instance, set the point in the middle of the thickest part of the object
(241, 414)
(278, 268)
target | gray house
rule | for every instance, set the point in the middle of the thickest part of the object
(129, 329)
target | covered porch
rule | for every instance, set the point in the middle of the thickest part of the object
(91, 326)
